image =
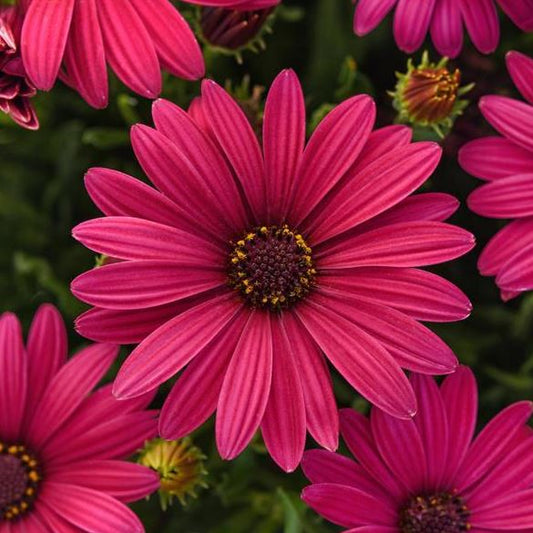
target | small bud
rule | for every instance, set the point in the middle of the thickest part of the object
(429, 95)
(180, 467)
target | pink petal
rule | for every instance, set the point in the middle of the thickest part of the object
(520, 12)
(512, 118)
(284, 423)
(136, 238)
(374, 189)
(369, 13)
(47, 352)
(331, 151)
(239, 142)
(513, 512)
(33, 522)
(246, 387)
(117, 194)
(283, 139)
(459, 394)
(89, 509)
(489, 446)
(85, 55)
(481, 21)
(517, 273)
(510, 197)
(67, 390)
(407, 244)
(172, 37)
(447, 28)
(520, 66)
(130, 50)
(411, 23)
(320, 405)
(360, 359)
(127, 482)
(491, 158)
(194, 396)
(139, 284)
(348, 506)
(13, 377)
(46, 27)
(417, 293)
(169, 348)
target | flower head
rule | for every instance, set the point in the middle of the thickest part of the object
(62, 446)
(444, 19)
(429, 473)
(77, 39)
(16, 90)
(243, 267)
(506, 162)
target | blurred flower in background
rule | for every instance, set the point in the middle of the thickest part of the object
(444, 19)
(429, 473)
(506, 162)
(16, 90)
(62, 446)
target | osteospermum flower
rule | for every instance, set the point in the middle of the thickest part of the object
(506, 162)
(245, 266)
(444, 19)
(62, 446)
(77, 39)
(428, 474)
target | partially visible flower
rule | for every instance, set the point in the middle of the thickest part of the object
(180, 466)
(428, 474)
(77, 39)
(62, 446)
(444, 19)
(429, 95)
(241, 5)
(506, 162)
(16, 90)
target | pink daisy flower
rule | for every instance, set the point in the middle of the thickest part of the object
(244, 267)
(506, 162)
(62, 447)
(428, 474)
(444, 19)
(77, 39)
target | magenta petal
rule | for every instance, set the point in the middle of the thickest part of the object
(520, 67)
(284, 423)
(195, 394)
(89, 509)
(481, 21)
(517, 273)
(369, 13)
(283, 139)
(127, 482)
(246, 387)
(348, 506)
(169, 348)
(46, 27)
(68, 389)
(520, 12)
(411, 23)
(360, 359)
(13, 377)
(513, 512)
(447, 28)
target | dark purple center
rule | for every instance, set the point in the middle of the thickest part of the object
(435, 513)
(271, 267)
(13, 478)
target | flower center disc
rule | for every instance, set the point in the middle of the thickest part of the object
(436, 513)
(19, 480)
(272, 267)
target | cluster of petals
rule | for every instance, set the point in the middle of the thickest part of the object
(434, 454)
(80, 438)
(348, 192)
(76, 40)
(506, 163)
(15, 89)
(444, 19)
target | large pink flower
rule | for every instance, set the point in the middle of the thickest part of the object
(62, 447)
(429, 474)
(248, 265)
(136, 38)
(444, 19)
(507, 164)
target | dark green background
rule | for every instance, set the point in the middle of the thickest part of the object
(42, 197)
